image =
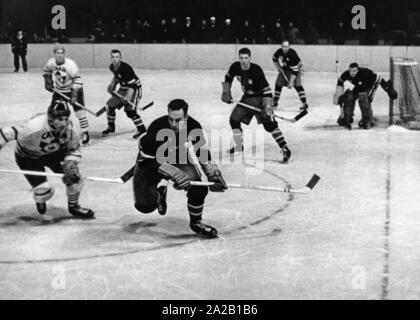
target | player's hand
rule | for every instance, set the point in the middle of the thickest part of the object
(110, 89)
(226, 94)
(71, 172)
(219, 183)
(267, 113)
(73, 98)
(179, 177)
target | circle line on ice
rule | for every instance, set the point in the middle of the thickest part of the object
(190, 240)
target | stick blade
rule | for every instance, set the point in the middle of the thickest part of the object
(312, 183)
(148, 106)
(128, 175)
(101, 111)
(301, 115)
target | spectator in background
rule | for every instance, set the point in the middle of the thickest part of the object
(213, 31)
(99, 31)
(138, 32)
(115, 32)
(311, 34)
(174, 31)
(162, 32)
(261, 36)
(339, 35)
(278, 33)
(127, 33)
(292, 33)
(228, 34)
(147, 33)
(246, 34)
(188, 31)
(19, 49)
(203, 32)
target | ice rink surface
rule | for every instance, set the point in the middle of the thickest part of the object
(356, 236)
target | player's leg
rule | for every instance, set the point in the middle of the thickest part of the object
(280, 83)
(16, 62)
(348, 102)
(74, 186)
(146, 194)
(301, 91)
(41, 189)
(81, 115)
(24, 62)
(240, 115)
(196, 197)
(134, 95)
(112, 104)
(366, 111)
(273, 128)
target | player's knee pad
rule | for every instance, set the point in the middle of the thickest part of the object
(131, 113)
(299, 88)
(270, 126)
(235, 124)
(348, 99)
(43, 192)
(74, 188)
(145, 208)
(110, 110)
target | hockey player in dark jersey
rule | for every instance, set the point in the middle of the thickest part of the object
(365, 83)
(129, 88)
(163, 156)
(49, 140)
(290, 68)
(257, 93)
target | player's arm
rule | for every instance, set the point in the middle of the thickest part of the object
(77, 82)
(111, 87)
(72, 159)
(277, 60)
(7, 134)
(227, 84)
(48, 80)
(267, 95)
(134, 81)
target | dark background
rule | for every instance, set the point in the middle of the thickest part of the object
(390, 16)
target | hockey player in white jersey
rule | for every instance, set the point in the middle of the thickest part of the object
(49, 140)
(62, 74)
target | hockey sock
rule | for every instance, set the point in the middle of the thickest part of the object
(278, 136)
(277, 93)
(73, 199)
(301, 93)
(83, 121)
(138, 122)
(237, 137)
(195, 212)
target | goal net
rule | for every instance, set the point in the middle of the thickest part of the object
(405, 77)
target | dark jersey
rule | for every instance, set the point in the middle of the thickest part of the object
(364, 80)
(125, 76)
(253, 80)
(290, 59)
(162, 144)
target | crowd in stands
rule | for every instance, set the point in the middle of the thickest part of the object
(215, 30)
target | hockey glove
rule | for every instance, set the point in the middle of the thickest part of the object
(226, 94)
(73, 97)
(214, 175)
(267, 112)
(48, 82)
(71, 172)
(179, 177)
(111, 86)
(387, 86)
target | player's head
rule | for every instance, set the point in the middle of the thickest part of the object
(245, 58)
(115, 56)
(58, 115)
(59, 53)
(285, 46)
(177, 114)
(20, 33)
(353, 69)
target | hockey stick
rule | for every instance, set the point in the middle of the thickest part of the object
(304, 190)
(76, 103)
(292, 120)
(103, 109)
(58, 175)
(194, 159)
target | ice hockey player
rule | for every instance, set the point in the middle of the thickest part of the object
(129, 88)
(62, 74)
(365, 83)
(257, 93)
(290, 68)
(163, 156)
(49, 140)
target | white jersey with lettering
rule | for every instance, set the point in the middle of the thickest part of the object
(65, 76)
(36, 139)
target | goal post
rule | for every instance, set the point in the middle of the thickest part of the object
(405, 78)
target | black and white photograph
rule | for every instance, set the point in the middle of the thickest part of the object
(209, 150)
